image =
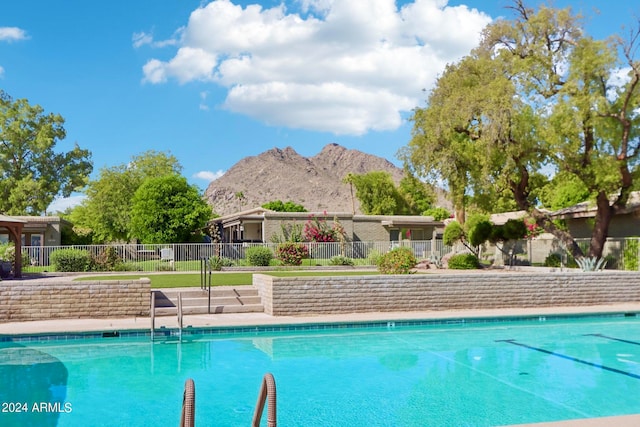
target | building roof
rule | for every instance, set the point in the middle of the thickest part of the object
(11, 219)
(385, 220)
(588, 209)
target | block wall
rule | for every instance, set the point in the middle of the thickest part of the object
(42, 300)
(291, 296)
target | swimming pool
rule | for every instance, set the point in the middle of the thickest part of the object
(380, 374)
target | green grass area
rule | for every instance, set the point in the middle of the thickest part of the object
(181, 280)
(188, 266)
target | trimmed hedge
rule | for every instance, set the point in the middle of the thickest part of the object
(259, 256)
(463, 262)
(70, 260)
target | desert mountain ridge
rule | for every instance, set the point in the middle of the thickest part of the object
(283, 174)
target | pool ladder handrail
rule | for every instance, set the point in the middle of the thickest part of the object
(180, 314)
(205, 279)
(188, 415)
(153, 314)
(267, 390)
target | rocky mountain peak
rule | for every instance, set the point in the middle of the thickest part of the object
(283, 174)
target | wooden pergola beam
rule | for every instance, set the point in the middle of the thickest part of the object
(14, 226)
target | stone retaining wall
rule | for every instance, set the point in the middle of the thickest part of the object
(46, 299)
(291, 296)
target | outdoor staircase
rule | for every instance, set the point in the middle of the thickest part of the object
(244, 299)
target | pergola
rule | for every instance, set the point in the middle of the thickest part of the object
(14, 226)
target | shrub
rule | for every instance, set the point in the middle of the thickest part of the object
(291, 253)
(70, 260)
(630, 254)
(555, 260)
(374, 257)
(8, 253)
(397, 261)
(259, 256)
(107, 260)
(216, 263)
(340, 260)
(464, 262)
(552, 260)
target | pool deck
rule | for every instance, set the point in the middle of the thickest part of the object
(252, 319)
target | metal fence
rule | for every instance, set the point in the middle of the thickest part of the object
(621, 253)
(187, 256)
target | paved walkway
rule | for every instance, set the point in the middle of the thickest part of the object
(250, 319)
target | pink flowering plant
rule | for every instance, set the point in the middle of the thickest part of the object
(317, 229)
(533, 229)
(291, 253)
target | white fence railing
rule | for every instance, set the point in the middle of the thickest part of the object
(621, 253)
(187, 256)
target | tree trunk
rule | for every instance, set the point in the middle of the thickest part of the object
(604, 214)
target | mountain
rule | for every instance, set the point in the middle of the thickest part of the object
(283, 174)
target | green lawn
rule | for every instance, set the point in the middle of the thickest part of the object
(177, 280)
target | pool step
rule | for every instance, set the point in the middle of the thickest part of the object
(195, 301)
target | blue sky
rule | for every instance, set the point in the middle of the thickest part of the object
(215, 81)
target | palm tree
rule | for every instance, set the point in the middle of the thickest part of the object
(349, 180)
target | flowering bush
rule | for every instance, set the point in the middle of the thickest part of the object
(533, 229)
(397, 261)
(291, 253)
(318, 230)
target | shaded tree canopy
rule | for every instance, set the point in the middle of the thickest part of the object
(167, 209)
(280, 206)
(107, 209)
(378, 194)
(33, 171)
(538, 93)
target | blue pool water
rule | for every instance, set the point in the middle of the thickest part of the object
(461, 374)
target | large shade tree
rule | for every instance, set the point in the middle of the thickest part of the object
(167, 209)
(538, 93)
(33, 171)
(107, 209)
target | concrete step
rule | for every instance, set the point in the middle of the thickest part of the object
(215, 309)
(196, 301)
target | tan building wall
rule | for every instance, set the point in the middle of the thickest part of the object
(622, 225)
(291, 296)
(367, 228)
(44, 300)
(273, 222)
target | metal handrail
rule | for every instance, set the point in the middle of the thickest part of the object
(205, 267)
(267, 390)
(153, 314)
(188, 415)
(180, 314)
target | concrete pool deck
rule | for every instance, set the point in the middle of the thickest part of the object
(252, 319)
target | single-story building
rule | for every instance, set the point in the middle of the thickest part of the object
(39, 230)
(259, 225)
(580, 219)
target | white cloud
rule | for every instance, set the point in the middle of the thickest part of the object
(141, 39)
(1, 72)
(12, 34)
(347, 67)
(61, 204)
(203, 101)
(208, 175)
